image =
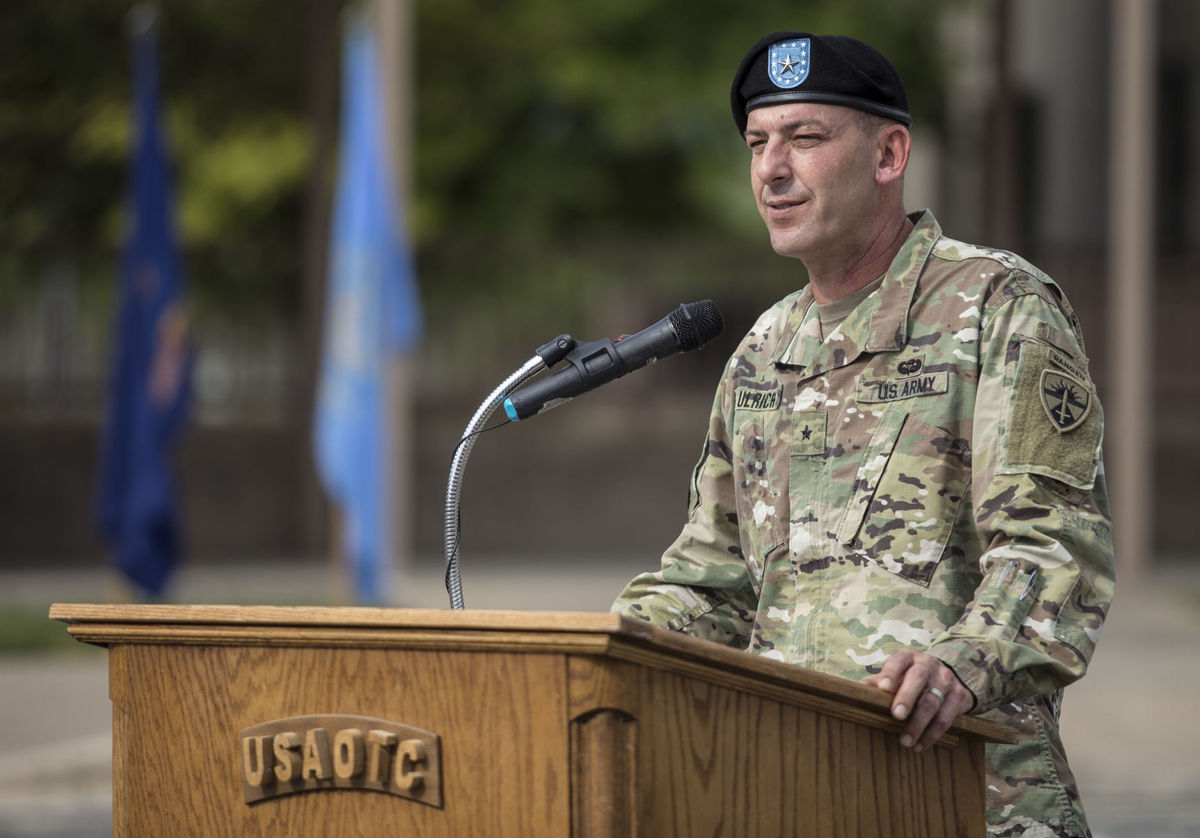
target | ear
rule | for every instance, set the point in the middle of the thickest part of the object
(894, 144)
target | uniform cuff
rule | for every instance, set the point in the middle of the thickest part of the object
(977, 670)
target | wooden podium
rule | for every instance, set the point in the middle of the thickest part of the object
(268, 721)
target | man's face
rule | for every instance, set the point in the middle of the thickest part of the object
(812, 171)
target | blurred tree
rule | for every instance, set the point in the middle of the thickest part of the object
(566, 148)
(233, 86)
(562, 148)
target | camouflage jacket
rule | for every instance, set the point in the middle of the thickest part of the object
(926, 475)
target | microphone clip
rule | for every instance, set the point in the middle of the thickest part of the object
(554, 351)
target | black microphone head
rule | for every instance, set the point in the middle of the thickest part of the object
(695, 324)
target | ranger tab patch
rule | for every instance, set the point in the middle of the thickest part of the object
(1067, 400)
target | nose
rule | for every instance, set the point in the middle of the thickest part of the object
(771, 164)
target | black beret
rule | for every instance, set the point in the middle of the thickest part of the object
(833, 69)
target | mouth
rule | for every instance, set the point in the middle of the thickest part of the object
(780, 207)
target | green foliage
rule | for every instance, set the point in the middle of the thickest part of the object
(231, 82)
(561, 148)
(546, 127)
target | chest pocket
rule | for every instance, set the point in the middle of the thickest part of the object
(906, 496)
(761, 502)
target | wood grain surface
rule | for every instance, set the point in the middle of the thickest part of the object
(549, 724)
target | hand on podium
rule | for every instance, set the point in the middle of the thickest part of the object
(926, 692)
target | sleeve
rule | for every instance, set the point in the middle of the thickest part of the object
(1041, 509)
(703, 587)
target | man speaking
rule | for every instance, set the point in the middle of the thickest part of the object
(901, 482)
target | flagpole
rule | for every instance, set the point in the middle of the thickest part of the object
(395, 26)
(372, 316)
(150, 378)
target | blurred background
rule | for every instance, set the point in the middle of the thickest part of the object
(559, 169)
(539, 167)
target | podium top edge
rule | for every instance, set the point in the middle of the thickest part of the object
(338, 617)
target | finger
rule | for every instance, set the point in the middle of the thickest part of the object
(957, 701)
(922, 728)
(892, 672)
(914, 684)
(933, 731)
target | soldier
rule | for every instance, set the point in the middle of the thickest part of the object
(901, 482)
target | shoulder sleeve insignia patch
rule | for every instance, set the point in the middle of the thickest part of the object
(1067, 400)
(1053, 422)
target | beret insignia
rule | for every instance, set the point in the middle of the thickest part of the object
(788, 64)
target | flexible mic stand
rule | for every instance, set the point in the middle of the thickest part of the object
(546, 356)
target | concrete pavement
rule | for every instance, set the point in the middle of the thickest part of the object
(1130, 727)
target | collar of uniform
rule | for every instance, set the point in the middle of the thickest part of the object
(879, 324)
(888, 327)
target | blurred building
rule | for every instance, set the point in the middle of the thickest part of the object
(1069, 139)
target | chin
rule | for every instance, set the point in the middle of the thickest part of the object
(788, 246)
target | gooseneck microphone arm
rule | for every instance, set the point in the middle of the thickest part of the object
(589, 365)
(546, 356)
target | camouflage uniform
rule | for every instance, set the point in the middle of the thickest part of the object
(927, 475)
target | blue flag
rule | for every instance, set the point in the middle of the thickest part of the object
(151, 371)
(372, 314)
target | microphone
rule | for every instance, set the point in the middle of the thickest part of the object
(591, 364)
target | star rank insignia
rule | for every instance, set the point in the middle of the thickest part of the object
(1066, 399)
(788, 63)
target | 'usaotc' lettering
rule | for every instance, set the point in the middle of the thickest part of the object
(891, 390)
(747, 399)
